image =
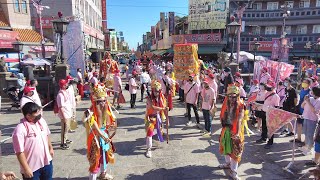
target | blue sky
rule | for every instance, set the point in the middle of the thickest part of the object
(135, 17)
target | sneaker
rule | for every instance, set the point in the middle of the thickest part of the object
(284, 132)
(289, 134)
(297, 140)
(206, 135)
(260, 141)
(148, 153)
(189, 123)
(306, 152)
(72, 131)
(118, 107)
(69, 141)
(64, 147)
(108, 176)
(311, 164)
(203, 131)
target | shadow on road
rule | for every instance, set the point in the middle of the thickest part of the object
(187, 172)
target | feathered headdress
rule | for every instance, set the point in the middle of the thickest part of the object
(232, 89)
(156, 85)
(99, 91)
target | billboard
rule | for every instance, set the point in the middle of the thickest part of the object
(73, 45)
(208, 14)
(171, 23)
(213, 38)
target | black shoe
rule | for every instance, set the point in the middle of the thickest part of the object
(289, 134)
(297, 141)
(64, 147)
(260, 141)
(284, 132)
(69, 141)
(311, 164)
(141, 100)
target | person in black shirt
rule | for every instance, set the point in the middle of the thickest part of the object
(228, 79)
(290, 102)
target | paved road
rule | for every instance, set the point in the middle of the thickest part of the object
(187, 156)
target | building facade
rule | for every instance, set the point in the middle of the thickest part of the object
(264, 20)
(90, 12)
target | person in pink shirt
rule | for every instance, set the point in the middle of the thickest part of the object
(94, 80)
(213, 84)
(191, 94)
(243, 93)
(208, 102)
(133, 86)
(117, 86)
(65, 112)
(32, 144)
(315, 82)
(271, 100)
(311, 106)
(261, 94)
(264, 75)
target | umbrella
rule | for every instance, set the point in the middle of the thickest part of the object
(35, 62)
(245, 56)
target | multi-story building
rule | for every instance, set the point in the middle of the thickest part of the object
(91, 12)
(264, 20)
(15, 25)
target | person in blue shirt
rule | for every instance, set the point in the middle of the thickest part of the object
(304, 91)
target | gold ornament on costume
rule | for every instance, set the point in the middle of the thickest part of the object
(232, 89)
(99, 91)
(156, 85)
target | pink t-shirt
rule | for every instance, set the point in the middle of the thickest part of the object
(208, 97)
(94, 80)
(132, 86)
(117, 83)
(307, 113)
(213, 84)
(271, 101)
(242, 92)
(32, 139)
(261, 95)
(64, 102)
(192, 95)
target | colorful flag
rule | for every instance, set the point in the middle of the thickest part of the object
(276, 118)
(252, 98)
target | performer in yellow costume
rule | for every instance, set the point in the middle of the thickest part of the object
(101, 125)
(232, 134)
(155, 114)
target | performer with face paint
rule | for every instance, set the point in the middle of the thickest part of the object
(232, 134)
(155, 114)
(101, 125)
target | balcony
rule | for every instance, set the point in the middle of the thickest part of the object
(297, 13)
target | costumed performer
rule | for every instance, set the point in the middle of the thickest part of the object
(155, 115)
(101, 125)
(232, 134)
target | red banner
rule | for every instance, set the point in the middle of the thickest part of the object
(197, 38)
(104, 14)
(277, 70)
(7, 38)
(277, 118)
(275, 48)
(265, 46)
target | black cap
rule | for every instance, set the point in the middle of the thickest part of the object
(227, 69)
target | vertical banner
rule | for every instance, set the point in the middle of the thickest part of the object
(284, 50)
(162, 21)
(73, 46)
(171, 23)
(275, 48)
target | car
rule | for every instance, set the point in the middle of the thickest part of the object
(122, 61)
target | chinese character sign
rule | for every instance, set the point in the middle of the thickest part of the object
(208, 14)
(185, 60)
(275, 48)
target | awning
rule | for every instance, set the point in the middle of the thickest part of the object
(209, 49)
(159, 52)
(28, 35)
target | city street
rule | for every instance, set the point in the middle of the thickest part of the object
(187, 156)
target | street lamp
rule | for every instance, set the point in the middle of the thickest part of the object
(232, 30)
(18, 46)
(60, 27)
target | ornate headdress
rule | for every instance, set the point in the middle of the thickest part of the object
(99, 91)
(232, 89)
(156, 85)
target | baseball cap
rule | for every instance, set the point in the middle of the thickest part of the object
(28, 89)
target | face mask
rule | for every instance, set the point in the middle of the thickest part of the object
(262, 87)
(268, 88)
(37, 118)
(304, 85)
